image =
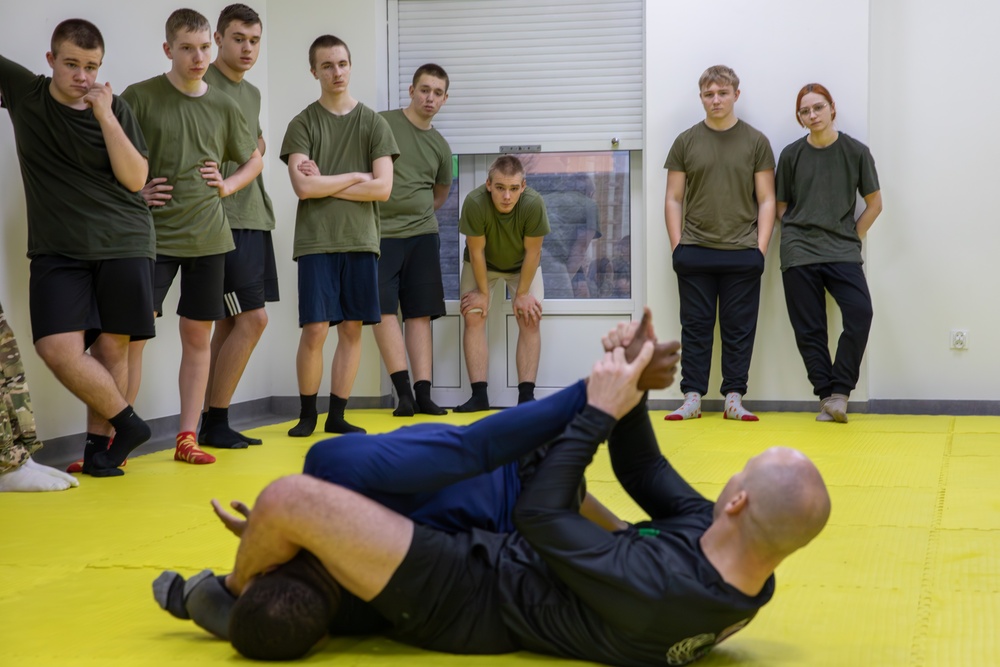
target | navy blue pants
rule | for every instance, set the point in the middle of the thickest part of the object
(805, 295)
(449, 477)
(727, 280)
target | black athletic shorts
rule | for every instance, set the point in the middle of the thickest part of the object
(201, 285)
(94, 296)
(443, 596)
(338, 286)
(251, 272)
(409, 274)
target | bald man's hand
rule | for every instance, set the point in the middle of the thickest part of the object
(612, 385)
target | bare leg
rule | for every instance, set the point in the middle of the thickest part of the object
(82, 374)
(420, 347)
(474, 343)
(240, 336)
(111, 351)
(309, 358)
(529, 350)
(196, 358)
(346, 359)
(389, 337)
(135, 349)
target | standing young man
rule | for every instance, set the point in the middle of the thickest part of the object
(720, 212)
(192, 129)
(90, 236)
(504, 222)
(251, 274)
(339, 155)
(409, 266)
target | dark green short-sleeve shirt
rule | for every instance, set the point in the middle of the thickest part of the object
(504, 232)
(75, 205)
(821, 186)
(338, 145)
(250, 208)
(424, 161)
(183, 133)
(720, 205)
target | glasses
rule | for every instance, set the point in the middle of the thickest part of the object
(816, 109)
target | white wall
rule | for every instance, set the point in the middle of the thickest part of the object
(911, 77)
(933, 256)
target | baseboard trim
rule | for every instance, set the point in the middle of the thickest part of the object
(60, 452)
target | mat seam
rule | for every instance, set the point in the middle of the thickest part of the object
(918, 649)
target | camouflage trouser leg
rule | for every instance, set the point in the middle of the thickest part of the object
(17, 421)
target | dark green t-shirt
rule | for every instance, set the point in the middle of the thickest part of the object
(424, 161)
(720, 205)
(250, 208)
(338, 145)
(821, 186)
(183, 133)
(76, 207)
(504, 232)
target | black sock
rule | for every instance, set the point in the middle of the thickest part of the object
(307, 417)
(525, 392)
(130, 432)
(480, 399)
(401, 382)
(335, 422)
(215, 431)
(214, 417)
(425, 405)
(98, 444)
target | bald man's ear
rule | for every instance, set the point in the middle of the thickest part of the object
(736, 504)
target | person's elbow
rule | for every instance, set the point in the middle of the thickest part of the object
(382, 190)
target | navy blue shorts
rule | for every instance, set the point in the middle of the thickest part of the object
(112, 296)
(201, 285)
(339, 287)
(251, 272)
(409, 274)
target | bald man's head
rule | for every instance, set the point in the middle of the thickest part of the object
(786, 501)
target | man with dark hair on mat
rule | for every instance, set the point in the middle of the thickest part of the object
(90, 236)
(670, 587)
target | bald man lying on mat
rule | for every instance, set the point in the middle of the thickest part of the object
(661, 591)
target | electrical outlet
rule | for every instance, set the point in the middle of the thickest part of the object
(960, 339)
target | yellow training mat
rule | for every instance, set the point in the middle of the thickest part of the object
(906, 573)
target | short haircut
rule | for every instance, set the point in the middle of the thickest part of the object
(185, 19)
(506, 165)
(81, 33)
(236, 12)
(430, 69)
(819, 89)
(720, 75)
(326, 42)
(285, 612)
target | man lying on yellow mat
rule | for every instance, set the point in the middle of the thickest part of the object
(667, 589)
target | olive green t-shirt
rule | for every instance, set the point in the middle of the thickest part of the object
(720, 205)
(821, 186)
(250, 208)
(76, 207)
(183, 133)
(338, 145)
(424, 161)
(504, 232)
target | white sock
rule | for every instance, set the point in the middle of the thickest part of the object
(49, 470)
(690, 408)
(28, 479)
(735, 409)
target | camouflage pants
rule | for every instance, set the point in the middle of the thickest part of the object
(17, 421)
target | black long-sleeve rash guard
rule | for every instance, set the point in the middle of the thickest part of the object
(643, 596)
